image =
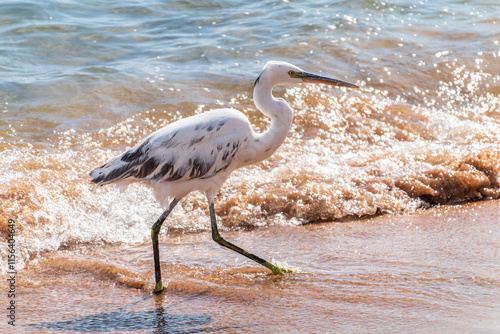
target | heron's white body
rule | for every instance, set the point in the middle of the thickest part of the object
(200, 152)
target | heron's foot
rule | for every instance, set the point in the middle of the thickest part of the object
(278, 270)
(158, 288)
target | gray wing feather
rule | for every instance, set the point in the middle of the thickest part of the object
(196, 147)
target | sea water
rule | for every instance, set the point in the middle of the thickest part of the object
(82, 82)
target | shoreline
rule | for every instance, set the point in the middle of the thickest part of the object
(356, 266)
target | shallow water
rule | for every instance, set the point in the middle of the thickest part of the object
(433, 271)
(81, 82)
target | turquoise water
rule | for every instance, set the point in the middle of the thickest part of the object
(59, 57)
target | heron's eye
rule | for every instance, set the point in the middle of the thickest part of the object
(291, 73)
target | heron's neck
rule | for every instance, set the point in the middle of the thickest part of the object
(266, 143)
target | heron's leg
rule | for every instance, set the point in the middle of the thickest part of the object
(155, 230)
(218, 239)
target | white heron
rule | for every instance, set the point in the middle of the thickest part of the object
(200, 152)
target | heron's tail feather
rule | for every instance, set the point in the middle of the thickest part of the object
(114, 170)
(122, 166)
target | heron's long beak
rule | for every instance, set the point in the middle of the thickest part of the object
(314, 78)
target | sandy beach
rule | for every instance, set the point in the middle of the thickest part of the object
(432, 271)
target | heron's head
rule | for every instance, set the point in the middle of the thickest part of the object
(282, 73)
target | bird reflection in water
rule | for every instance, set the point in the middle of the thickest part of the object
(159, 320)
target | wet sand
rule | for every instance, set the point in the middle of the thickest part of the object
(432, 271)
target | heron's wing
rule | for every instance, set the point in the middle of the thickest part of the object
(196, 147)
